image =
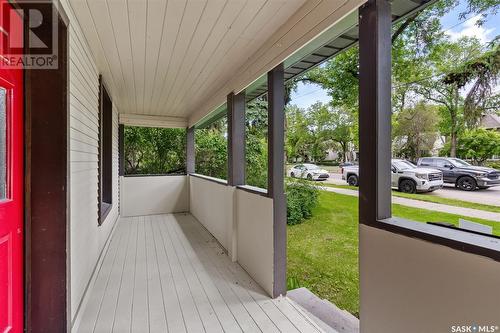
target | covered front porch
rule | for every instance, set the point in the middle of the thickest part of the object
(109, 252)
(167, 273)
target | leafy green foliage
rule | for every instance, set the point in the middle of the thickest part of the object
(211, 152)
(312, 131)
(422, 53)
(415, 131)
(211, 146)
(479, 145)
(154, 150)
(302, 197)
(256, 142)
(483, 72)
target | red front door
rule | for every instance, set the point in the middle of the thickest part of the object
(11, 178)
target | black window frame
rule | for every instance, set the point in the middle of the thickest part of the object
(105, 153)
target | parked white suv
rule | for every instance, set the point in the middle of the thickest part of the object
(406, 177)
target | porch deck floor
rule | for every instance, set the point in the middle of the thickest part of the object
(166, 273)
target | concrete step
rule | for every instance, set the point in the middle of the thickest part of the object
(328, 313)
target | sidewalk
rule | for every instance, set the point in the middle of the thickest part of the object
(469, 212)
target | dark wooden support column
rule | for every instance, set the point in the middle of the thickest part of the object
(190, 152)
(47, 203)
(375, 111)
(236, 139)
(121, 150)
(276, 191)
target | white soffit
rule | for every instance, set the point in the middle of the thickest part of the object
(165, 58)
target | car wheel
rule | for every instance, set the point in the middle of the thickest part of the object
(309, 177)
(292, 175)
(467, 184)
(408, 186)
(352, 180)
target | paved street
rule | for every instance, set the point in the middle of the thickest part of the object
(490, 196)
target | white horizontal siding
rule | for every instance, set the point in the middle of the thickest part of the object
(87, 239)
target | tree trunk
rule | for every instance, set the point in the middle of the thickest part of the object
(453, 143)
(344, 152)
(454, 123)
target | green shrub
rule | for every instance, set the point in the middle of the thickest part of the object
(302, 197)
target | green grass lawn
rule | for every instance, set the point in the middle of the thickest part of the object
(323, 250)
(431, 198)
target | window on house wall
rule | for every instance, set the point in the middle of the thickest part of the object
(154, 151)
(105, 152)
(211, 149)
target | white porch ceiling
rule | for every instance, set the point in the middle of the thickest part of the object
(165, 58)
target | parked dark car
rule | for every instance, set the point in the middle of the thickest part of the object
(465, 176)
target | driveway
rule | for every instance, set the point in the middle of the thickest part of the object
(489, 196)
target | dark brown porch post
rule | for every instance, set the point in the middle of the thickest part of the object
(275, 187)
(375, 111)
(190, 152)
(121, 150)
(236, 139)
(47, 193)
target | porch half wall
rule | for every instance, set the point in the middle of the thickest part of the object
(241, 221)
(151, 195)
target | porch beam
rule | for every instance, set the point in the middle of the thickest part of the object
(375, 111)
(275, 187)
(190, 151)
(121, 150)
(236, 139)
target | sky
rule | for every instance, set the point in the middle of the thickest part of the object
(308, 94)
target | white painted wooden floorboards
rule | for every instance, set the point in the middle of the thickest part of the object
(166, 273)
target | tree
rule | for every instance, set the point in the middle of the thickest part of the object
(420, 59)
(320, 127)
(256, 119)
(154, 150)
(479, 145)
(416, 129)
(483, 72)
(297, 133)
(445, 57)
(312, 131)
(211, 151)
(343, 131)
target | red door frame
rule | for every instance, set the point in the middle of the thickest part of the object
(11, 208)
